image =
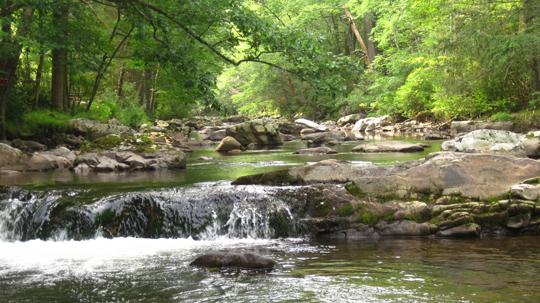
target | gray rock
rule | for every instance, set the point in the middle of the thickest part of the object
(261, 132)
(526, 191)
(9, 156)
(366, 125)
(532, 147)
(487, 140)
(234, 260)
(390, 146)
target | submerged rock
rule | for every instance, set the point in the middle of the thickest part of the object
(390, 146)
(234, 260)
(316, 150)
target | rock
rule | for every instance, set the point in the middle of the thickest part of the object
(413, 210)
(205, 158)
(228, 144)
(390, 146)
(465, 230)
(478, 176)
(214, 134)
(481, 176)
(168, 159)
(487, 140)
(519, 221)
(234, 260)
(106, 164)
(94, 129)
(369, 124)
(526, 191)
(532, 147)
(459, 127)
(261, 132)
(28, 146)
(311, 124)
(82, 169)
(9, 156)
(90, 159)
(289, 128)
(323, 138)
(48, 161)
(405, 228)
(316, 150)
(349, 119)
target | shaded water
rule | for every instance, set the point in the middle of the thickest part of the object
(132, 269)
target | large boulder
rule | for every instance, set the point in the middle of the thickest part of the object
(260, 132)
(234, 260)
(314, 125)
(229, 144)
(94, 129)
(487, 140)
(28, 145)
(481, 176)
(390, 146)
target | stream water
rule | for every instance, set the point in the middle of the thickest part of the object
(40, 260)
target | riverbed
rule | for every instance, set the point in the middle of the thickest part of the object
(135, 269)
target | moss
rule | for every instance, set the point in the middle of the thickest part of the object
(354, 190)
(490, 218)
(345, 210)
(369, 218)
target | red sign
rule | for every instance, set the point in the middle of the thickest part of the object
(3, 82)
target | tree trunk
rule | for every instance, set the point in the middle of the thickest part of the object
(58, 89)
(357, 35)
(369, 20)
(39, 75)
(120, 90)
(9, 64)
(59, 60)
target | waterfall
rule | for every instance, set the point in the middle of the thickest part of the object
(202, 211)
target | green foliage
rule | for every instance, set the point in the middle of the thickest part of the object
(501, 116)
(345, 210)
(43, 122)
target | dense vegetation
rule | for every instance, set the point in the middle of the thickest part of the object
(137, 60)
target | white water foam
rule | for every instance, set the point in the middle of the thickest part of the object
(52, 257)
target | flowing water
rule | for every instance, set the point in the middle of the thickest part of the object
(130, 238)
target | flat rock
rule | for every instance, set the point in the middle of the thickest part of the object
(390, 146)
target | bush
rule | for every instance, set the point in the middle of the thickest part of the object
(501, 116)
(43, 122)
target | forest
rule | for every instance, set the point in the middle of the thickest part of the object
(137, 60)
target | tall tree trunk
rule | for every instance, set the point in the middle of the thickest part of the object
(369, 20)
(59, 60)
(335, 26)
(357, 35)
(59, 70)
(39, 75)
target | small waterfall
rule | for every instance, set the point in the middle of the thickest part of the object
(203, 211)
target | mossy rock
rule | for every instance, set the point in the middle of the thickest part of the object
(345, 210)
